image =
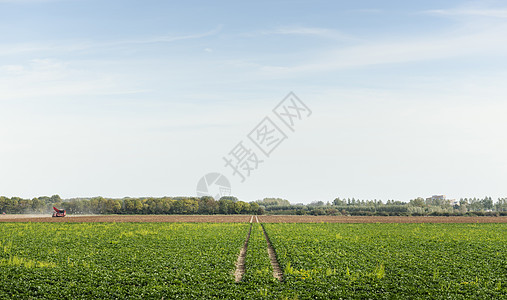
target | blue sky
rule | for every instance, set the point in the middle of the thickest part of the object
(142, 98)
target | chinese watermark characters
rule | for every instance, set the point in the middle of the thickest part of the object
(266, 137)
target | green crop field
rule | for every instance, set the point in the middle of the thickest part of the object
(393, 261)
(198, 260)
(118, 261)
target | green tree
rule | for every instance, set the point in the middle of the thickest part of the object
(186, 206)
(338, 201)
(418, 202)
(255, 208)
(487, 203)
(225, 206)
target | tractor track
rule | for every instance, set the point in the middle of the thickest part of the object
(277, 271)
(240, 264)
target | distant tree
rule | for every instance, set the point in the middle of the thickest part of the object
(231, 198)
(112, 206)
(240, 207)
(273, 202)
(418, 202)
(255, 208)
(138, 206)
(332, 211)
(318, 212)
(487, 203)
(3, 204)
(167, 205)
(55, 199)
(225, 206)
(186, 206)
(338, 201)
(475, 204)
(38, 206)
(208, 205)
(501, 204)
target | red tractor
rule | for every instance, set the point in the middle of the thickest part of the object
(58, 212)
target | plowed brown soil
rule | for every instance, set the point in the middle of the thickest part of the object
(129, 218)
(247, 218)
(361, 219)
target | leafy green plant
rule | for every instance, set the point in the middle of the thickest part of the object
(197, 261)
(396, 261)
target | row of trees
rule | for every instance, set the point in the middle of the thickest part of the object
(418, 206)
(100, 205)
(231, 205)
(16, 205)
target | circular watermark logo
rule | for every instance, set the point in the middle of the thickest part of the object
(215, 185)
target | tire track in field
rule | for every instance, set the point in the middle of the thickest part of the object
(277, 271)
(240, 264)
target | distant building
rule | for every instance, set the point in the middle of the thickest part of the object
(436, 198)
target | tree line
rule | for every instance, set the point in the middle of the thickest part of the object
(415, 207)
(100, 205)
(231, 205)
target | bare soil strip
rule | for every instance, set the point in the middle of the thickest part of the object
(378, 219)
(128, 218)
(277, 272)
(251, 219)
(246, 219)
(240, 264)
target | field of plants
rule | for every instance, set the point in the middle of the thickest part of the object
(119, 260)
(393, 261)
(198, 261)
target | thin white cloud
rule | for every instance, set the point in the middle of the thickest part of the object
(496, 13)
(367, 11)
(485, 41)
(311, 31)
(76, 45)
(468, 37)
(56, 77)
(302, 31)
(48, 77)
(167, 38)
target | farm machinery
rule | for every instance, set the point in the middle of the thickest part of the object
(58, 212)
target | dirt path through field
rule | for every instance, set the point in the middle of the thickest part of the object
(277, 272)
(240, 264)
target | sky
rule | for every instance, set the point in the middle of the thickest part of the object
(404, 99)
